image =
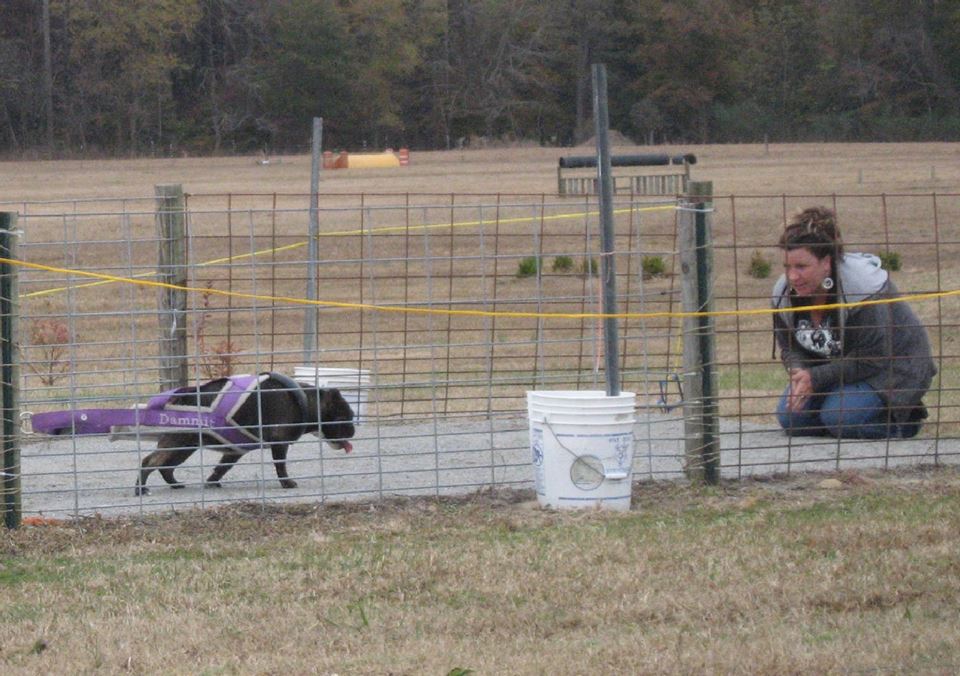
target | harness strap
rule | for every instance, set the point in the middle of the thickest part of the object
(216, 421)
(293, 387)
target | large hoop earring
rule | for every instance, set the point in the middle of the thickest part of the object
(827, 283)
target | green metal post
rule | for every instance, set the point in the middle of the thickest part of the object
(10, 373)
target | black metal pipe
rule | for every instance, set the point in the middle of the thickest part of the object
(608, 268)
(587, 161)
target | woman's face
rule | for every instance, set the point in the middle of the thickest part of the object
(805, 272)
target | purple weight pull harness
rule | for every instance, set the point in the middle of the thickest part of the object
(216, 420)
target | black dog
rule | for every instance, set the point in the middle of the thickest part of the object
(279, 414)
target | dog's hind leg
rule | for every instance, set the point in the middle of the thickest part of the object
(146, 469)
(279, 452)
(228, 461)
(174, 459)
(164, 460)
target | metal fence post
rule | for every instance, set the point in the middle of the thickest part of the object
(172, 269)
(608, 268)
(701, 430)
(310, 315)
(10, 377)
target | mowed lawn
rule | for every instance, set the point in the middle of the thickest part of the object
(855, 573)
(851, 573)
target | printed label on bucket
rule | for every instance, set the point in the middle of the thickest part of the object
(536, 451)
(622, 450)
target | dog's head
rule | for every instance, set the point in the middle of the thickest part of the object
(336, 416)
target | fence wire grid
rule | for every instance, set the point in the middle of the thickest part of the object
(455, 306)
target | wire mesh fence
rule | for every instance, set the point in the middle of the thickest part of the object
(454, 306)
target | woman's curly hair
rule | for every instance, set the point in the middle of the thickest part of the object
(815, 229)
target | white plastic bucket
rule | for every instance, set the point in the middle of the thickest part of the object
(581, 445)
(354, 385)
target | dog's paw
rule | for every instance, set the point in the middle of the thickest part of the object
(213, 484)
(178, 485)
(140, 490)
(288, 483)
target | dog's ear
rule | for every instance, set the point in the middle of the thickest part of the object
(334, 406)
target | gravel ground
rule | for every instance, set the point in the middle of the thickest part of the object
(94, 475)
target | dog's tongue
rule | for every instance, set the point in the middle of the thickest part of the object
(347, 446)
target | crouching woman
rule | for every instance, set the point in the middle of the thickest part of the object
(857, 371)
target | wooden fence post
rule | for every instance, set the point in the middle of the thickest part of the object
(172, 269)
(701, 430)
(10, 377)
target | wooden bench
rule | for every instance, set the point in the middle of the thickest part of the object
(637, 175)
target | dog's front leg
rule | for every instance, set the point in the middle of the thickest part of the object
(280, 463)
(228, 461)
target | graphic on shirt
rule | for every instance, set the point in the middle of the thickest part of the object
(820, 340)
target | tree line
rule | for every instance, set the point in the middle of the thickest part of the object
(138, 77)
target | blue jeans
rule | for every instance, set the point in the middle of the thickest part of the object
(853, 412)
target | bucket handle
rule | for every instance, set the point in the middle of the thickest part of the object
(609, 475)
(26, 422)
(663, 400)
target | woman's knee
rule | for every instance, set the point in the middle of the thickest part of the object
(792, 422)
(855, 411)
(785, 419)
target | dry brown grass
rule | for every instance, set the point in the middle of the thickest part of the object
(774, 578)
(882, 191)
(857, 574)
(791, 169)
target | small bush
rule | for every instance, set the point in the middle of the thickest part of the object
(760, 266)
(890, 260)
(528, 267)
(51, 340)
(562, 264)
(589, 267)
(653, 266)
(221, 359)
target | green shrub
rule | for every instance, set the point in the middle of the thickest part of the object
(890, 260)
(528, 267)
(562, 264)
(653, 266)
(760, 266)
(589, 267)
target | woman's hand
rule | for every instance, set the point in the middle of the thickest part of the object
(801, 388)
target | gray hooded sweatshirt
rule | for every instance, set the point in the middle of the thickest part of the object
(884, 345)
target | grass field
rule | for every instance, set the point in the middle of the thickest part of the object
(860, 574)
(790, 169)
(883, 193)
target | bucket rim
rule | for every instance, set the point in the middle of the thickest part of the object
(566, 407)
(588, 395)
(587, 423)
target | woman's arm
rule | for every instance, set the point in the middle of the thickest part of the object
(791, 358)
(867, 349)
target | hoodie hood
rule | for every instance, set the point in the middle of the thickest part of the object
(861, 278)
